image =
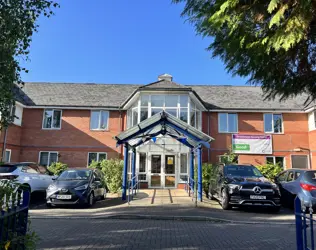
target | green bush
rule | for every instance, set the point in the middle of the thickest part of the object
(113, 173)
(207, 175)
(57, 168)
(270, 171)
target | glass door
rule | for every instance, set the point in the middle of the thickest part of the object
(170, 171)
(155, 176)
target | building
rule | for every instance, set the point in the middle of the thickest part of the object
(77, 123)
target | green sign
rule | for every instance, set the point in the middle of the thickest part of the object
(242, 147)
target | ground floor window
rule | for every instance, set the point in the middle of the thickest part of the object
(280, 160)
(47, 158)
(299, 161)
(142, 167)
(96, 156)
(183, 168)
(7, 155)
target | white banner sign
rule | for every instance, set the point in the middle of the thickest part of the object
(252, 144)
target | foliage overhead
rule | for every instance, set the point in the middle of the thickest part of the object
(18, 22)
(273, 42)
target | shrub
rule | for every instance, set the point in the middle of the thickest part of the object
(270, 171)
(207, 175)
(113, 173)
(57, 168)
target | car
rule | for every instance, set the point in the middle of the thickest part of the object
(243, 185)
(297, 182)
(76, 186)
(33, 178)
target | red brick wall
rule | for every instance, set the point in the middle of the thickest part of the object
(13, 142)
(295, 135)
(73, 141)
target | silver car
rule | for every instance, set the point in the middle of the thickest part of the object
(33, 177)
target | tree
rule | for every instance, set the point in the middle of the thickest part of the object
(273, 42)
(18, 22)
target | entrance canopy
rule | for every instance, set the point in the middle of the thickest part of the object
(167, 125)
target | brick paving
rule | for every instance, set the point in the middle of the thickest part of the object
(159, 234)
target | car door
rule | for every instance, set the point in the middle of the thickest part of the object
(280, 180)
(213, 181)
(103, 188)
(44, 176)
(96, 183)
(289, 188)
(33, 178)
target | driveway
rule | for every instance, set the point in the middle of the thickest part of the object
(163, 204)
(160, 234)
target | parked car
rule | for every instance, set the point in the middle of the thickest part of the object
(243, 185)
(32, 177)
(76, 186)
(297, 182)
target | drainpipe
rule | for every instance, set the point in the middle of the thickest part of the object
(121, 128)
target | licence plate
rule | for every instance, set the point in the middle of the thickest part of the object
(258, 197)
(64, 197)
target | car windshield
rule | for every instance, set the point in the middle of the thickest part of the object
(75, 175)
(310, 176)
(4, 169)
(242, 171)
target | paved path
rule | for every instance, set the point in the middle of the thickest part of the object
(159, 234)
(162, 203)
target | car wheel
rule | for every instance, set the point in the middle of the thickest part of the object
(225, 200)
(90, 200)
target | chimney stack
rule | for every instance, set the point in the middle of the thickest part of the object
(165, 77)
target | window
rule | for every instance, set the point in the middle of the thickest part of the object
(96, 156)
(275, 160)
(47, 158)
(142, 167)
(273, 123)
(297, 174)
(99, 120)
(7, 155)
(227, 123)
(30, 170)
(52, 119)
(299, 161)
(282, 176)
(290, 176)
(183, 167)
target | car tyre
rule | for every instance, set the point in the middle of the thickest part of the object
(225, 200)
(90, 200)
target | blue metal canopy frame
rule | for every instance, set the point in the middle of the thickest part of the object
(163, 124)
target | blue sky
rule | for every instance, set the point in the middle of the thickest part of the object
(108, 41)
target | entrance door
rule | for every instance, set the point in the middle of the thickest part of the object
(155, 176)
(170, 171)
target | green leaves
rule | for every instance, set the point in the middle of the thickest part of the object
(272, 43)
(57, 168)
(18, 22)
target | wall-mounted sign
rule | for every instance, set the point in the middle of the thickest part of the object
(252, 144)
(170, 160)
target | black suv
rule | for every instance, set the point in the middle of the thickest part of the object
(243, 185)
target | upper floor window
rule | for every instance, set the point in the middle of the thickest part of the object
(99, 120)
(273, 123)
(52, 119)
(227, 123)
(179, 106)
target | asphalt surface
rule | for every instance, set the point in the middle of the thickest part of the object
(159, 234)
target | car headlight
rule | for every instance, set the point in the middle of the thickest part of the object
(83, 187)
(51, 187)
(234, 187)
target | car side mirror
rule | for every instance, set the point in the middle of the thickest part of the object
(54, 178)
(97, 179)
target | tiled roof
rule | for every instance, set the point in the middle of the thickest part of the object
(114, 95)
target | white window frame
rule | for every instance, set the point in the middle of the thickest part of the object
(227, 132)
(187, 172)
(107, 125)
(146, 166)
(274, 160)
(10, 152)
(49, 152)
(264, 122)
(98, 155)
(51, 128)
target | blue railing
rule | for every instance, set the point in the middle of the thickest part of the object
(304, 225)
(14, 220)
(133, 187)
(189, 187)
